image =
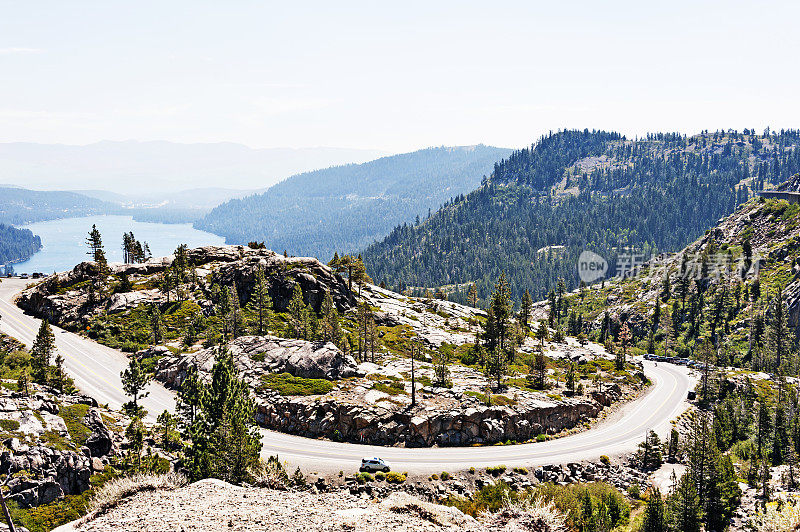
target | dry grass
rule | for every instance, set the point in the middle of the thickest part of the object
(115, 491)
(525, 515)
(780, 516)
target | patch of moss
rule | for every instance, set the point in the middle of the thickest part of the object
(9, 425)
(53, 439)
(394, 388)
(287, 384)
(73, 417)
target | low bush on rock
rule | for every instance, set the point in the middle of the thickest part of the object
(490, 498)
(394, 477)
(364, 477)
(9, 425)
(48, 516)
(583, 503)
(287, 384)
(496, 470)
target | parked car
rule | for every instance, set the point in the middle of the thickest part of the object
(374, 464)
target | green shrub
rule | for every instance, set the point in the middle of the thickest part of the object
(472, 470)
(496, 470)
(434, 477)
(541, 437)
(394, 477)
(287, 384)
(581, 503)
(393, 388)
(445, 475)
(520, 470)
(605, 459)
(73, 417)
(380, 475)
(9, 425)
(364, 477)
(634, 491)
(491, 497)
(49, 516)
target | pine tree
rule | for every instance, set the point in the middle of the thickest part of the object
(672, 448)
(650, 452)
(224, 438)
(472, 296)
(683, 506)
(525, 311)
(260, 302)
(553, 313)
(624, 338)
(331, 328)
(570, 379)
(298, 314)
(41, 352)
(23, 380)
(95, 243)
(236, 444)
(778, 330)
(780, 439)
(540, 370)
(58, 373)
(134, 380)
(157, 328)
(191, 395)
(654, 513)
(234, 316)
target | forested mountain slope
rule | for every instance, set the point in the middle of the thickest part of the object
(20, 206)
(346, 208)
(582, 190)
(17, 244)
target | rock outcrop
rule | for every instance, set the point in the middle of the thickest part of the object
(376, 425)
(37, 452)
(65, 299)
(215, 505)
(255, 356)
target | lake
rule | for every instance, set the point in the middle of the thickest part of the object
(64, 241)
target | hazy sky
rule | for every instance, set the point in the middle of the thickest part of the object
(391, 75)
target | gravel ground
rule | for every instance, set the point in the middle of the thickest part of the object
(215, 505)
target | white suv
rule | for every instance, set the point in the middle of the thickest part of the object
(374, 464)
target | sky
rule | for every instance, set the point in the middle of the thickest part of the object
(393, 76)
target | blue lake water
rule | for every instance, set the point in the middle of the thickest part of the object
(64, 241)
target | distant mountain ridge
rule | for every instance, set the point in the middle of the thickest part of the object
(17, 245)
(19, 206)
(583, 190)
(345, 208)
(134, 167)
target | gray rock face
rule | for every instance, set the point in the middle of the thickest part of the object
(54, 474)
(377, 426)
(255, 356)
(43, 474)
(101, 440)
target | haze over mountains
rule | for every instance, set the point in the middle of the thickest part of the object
(137, 167)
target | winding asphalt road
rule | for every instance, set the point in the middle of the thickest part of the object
(96, 370)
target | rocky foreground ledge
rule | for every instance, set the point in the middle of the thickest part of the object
(216, 505)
